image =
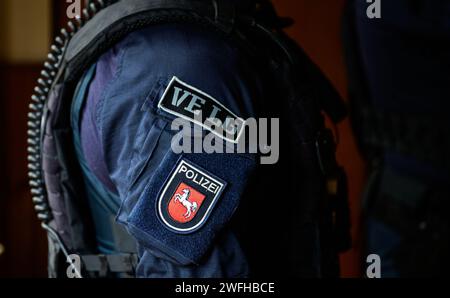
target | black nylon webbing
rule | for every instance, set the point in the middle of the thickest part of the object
(102, 265)
(218, 11)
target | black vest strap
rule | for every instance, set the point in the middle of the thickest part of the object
(105, 265)
(115, 21)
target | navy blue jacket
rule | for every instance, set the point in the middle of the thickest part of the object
(124, 144)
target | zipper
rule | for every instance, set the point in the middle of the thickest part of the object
(36, 119)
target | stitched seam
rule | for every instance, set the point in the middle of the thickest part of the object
(101, 103)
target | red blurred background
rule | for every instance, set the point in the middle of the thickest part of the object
(22, 241)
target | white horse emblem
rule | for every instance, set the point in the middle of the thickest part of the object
(184, 200)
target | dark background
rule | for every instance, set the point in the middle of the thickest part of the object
(23, 242)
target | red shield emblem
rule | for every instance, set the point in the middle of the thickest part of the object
(188, 197)
(185, 203)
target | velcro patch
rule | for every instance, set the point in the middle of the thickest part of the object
(185, 101)
(188, 197)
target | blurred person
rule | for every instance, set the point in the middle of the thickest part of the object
(399, 89)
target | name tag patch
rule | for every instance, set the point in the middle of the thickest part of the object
(185, 101)
(188, 197)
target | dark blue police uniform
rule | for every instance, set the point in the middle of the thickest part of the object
(123, 143)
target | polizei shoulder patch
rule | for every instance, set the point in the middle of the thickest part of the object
(188, 197)
(185, 101)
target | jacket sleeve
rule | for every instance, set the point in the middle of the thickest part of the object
(177, 205)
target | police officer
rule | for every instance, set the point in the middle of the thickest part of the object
(127, 154)
(127, 78)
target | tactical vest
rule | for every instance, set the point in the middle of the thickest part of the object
(55, 176)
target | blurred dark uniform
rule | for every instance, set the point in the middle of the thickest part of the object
(399, 84)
